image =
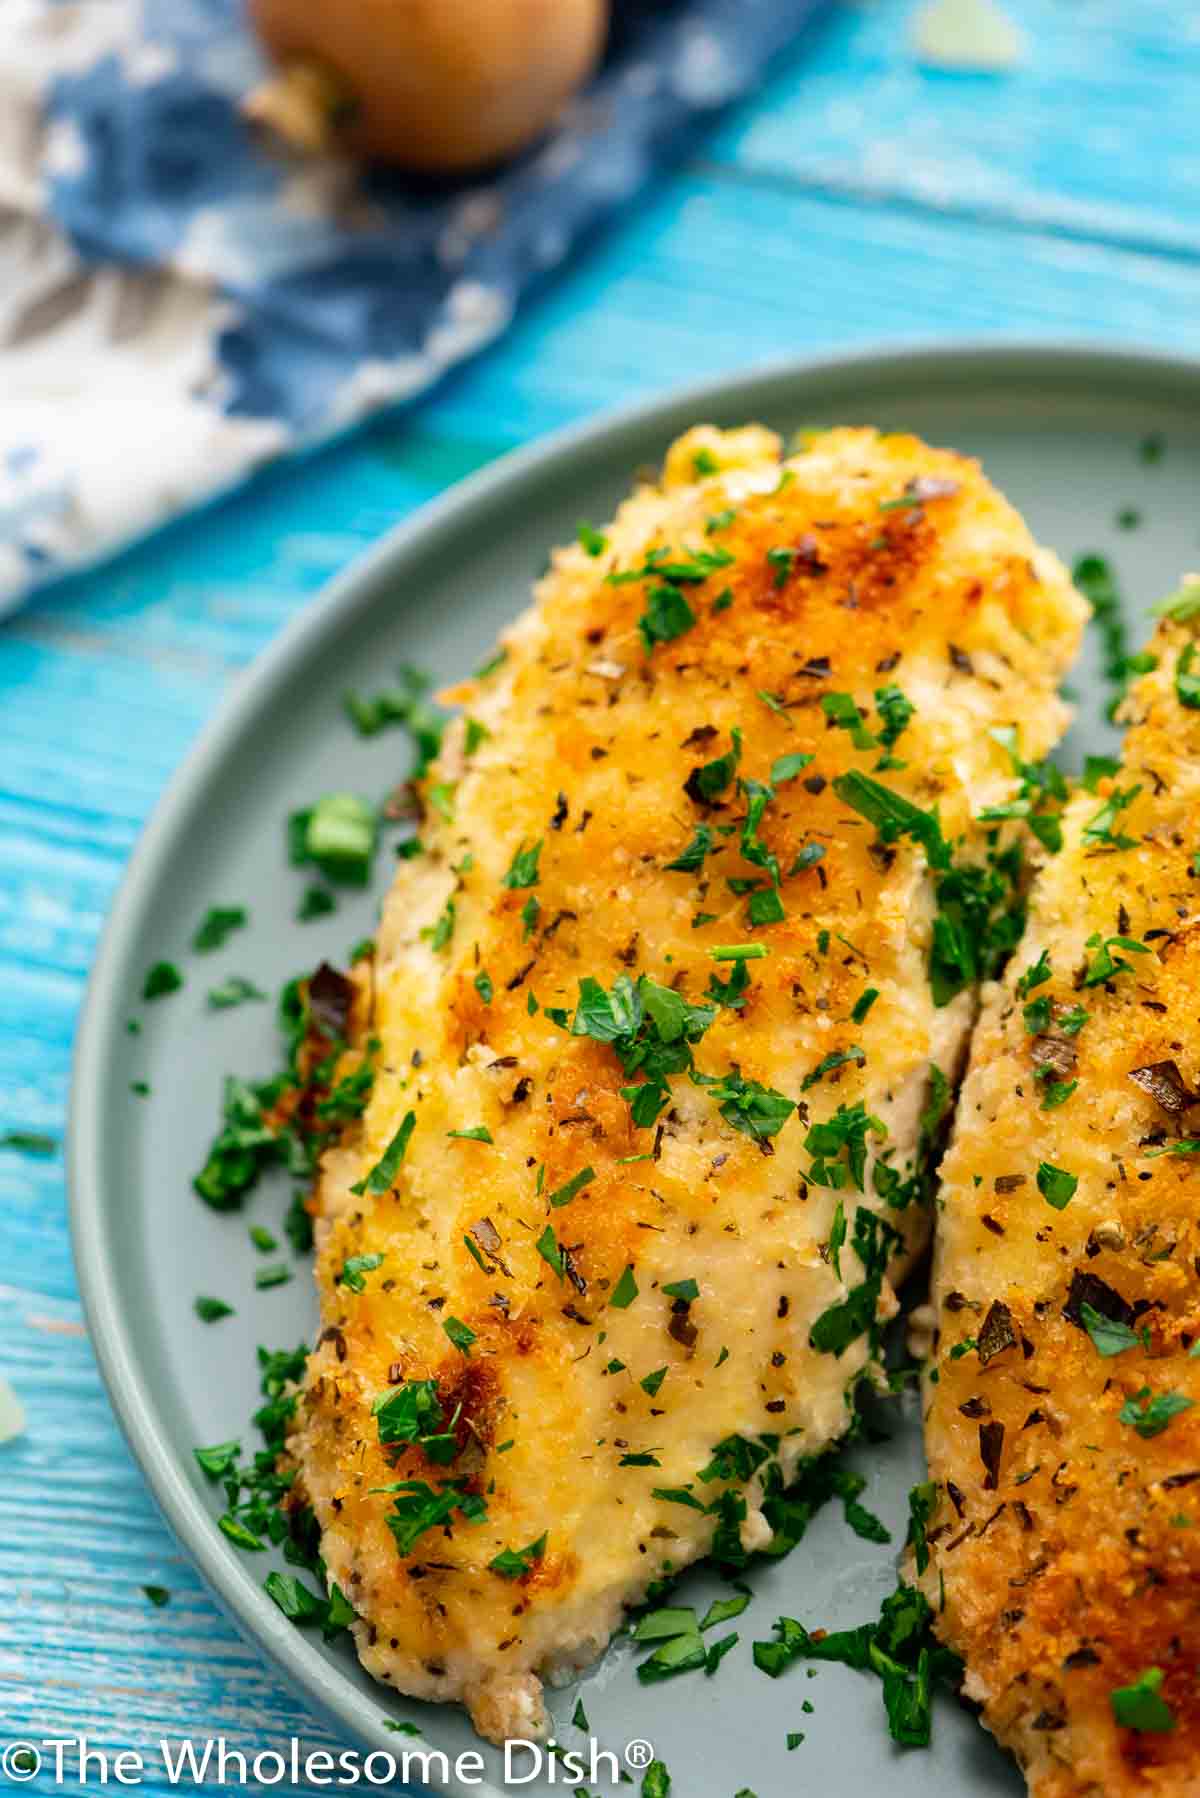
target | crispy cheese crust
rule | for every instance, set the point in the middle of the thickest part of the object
(1067, 1536)
(582, 1413)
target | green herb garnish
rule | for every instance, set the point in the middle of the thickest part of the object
(515, 1563)
(353, 1269)
(572, 1187)
(523, 869)
(1056, 1185)
(211, 1311)
(1141, 1705)
(218, 923)
(337, 835)
(1149, 1414)
(163, 978)
(460, 1334)
(235, 990)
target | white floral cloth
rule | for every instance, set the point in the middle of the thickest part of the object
(177, 305)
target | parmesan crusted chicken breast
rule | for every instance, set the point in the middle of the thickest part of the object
(1062, 1421)
(648, 1035)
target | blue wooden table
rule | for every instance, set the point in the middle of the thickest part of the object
(861, 198)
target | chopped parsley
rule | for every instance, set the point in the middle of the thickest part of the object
(440, 933)
(863, 1004)
(837, 1058)
(1099, 831)
(413, 1413)
(1187, 682)
(30, 1142)
(651, 1029)
(349, 1095)
(710, 779)
(900, 1648)
(460, 1334)
(1141, 1705)
(787, 767)
(301, 1605)
(353, 1269)
(758, 1111)
(855, 1315)
(1097, 768)
(248, 1142)
(1095, 579)
(764, 907)
(691, 858)
(667, 616)
(550, 1250)
(406, 704)
(895, 713)
(211, 1311)
(845, 1132)
(158, 1595)
(163, 978)
(419, 1507)
(1042, 787)
(234, 990)
(515, 1563)
(1036, 974)
(893, 816)
(277, 1275)
(1149, 1414)
(1056, 1185)
(572, 1187)
(979, 921)
(1110, 1335)
(484, 987)
(922, 1502)
(1038, 1014)
(315, 902)
(477, 1133)
(840, 710)
(592, 540)
(259, 1507)
(624, 1292)
(523, 869)
(337, 835)
(1103, 964)
(807, 856)
(218, 923)
(1183, 605)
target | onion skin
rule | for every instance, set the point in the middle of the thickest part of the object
(439, 86)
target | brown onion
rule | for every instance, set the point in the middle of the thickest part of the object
(433, 85)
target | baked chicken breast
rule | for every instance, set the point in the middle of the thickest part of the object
(648, 1036)
(1062, 1420)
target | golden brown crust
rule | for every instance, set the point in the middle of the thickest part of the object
(865, 561)
(1075, 1566)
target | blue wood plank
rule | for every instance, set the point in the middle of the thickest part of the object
(1092, 134)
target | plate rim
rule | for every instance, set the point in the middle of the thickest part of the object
(130, 1394)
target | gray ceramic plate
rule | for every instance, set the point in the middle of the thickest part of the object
(1060, 432)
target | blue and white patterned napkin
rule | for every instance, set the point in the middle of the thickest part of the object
(177, 305)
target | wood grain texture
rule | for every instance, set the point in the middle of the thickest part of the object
(860, 199)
